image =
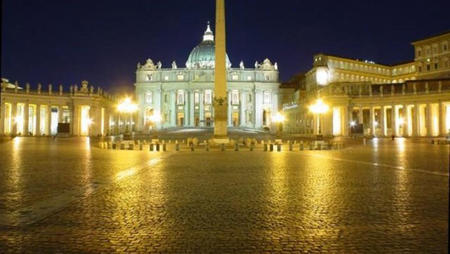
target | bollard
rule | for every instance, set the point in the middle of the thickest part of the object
(222, 147)
(236, 147)
(109, 145)
(301, 146)
(164, 147)
(265, 147)
(310, 146)
(114, 146)
(151, 147)
(207, 147)
(290, 146)
(131, 146)
(177, 147)
(364, 141)
(271, 147)
(251, 147)
(141, 146)
(122, 146)
(319, 146)
(157, 147)
(192, 147)
(279, 148)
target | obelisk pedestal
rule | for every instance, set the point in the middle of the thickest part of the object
(220, 78)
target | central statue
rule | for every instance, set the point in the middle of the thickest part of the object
(220, 77)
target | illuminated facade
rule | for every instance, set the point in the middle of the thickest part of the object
(183, 97)
(409, 99)
(25, 112)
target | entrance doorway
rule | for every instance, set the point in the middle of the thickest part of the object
(180, 119)
(208, 119)
(235, 118)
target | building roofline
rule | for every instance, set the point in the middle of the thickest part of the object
(431, 37)
(374, 63)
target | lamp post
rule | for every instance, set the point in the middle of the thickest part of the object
(127, 107)
(278, 119)
(319, 108)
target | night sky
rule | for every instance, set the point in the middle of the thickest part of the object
(68, 41)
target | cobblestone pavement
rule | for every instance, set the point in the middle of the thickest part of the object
(385, 197)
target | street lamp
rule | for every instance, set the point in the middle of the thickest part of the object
(127, 107)
(319, 108)
(278, 118)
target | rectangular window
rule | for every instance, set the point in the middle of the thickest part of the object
(235, 97)
(428, 67)
(180, 97)
(180, 77)
(436, 66)
(196, 98)
(149, 97)
(208, 97)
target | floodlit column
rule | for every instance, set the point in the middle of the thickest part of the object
(442, 131)
(414, 120)
(14, 118)
(173, 110)
(49, 120)
(26, 113)
(428, 120)
(345, 122)
(258, 109)
(393, 120)
(191, 109)
(60, 114)
(383, 120)
(242, 106)
(372, 121)
(220, 82)
(202, 108)
(2, 118)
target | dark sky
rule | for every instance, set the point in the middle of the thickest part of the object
(67, 41)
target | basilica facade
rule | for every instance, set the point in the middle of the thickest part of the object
(184, 97)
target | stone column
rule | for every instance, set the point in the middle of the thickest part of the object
(173, 109)
(258, 108)
(243, 107)
(372, 121)
(414, 121)
(49, 119)
(60, 114)
(428, 119)
(442, 131)
(220, 82)
(393, 120)
(202, 108)
(405, 126)
(2, 118)
(13, 117)
(191, 109)
(383, 120)
(26, 118)
(417, 120)
(74, 125)
(345, 121)
(186, 109)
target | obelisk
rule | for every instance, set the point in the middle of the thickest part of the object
(220, 78)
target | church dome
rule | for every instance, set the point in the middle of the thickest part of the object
(203, 55)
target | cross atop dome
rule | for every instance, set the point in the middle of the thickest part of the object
(208, 36)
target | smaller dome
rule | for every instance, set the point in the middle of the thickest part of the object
(203, 56)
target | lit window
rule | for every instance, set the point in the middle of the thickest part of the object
(266, 98)
(196, 98)
(180, 97)
(180, 77)
(235, 77)
(166, 78)
(249, 78)
(235, 97)
(208, 97)
(149, 98)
